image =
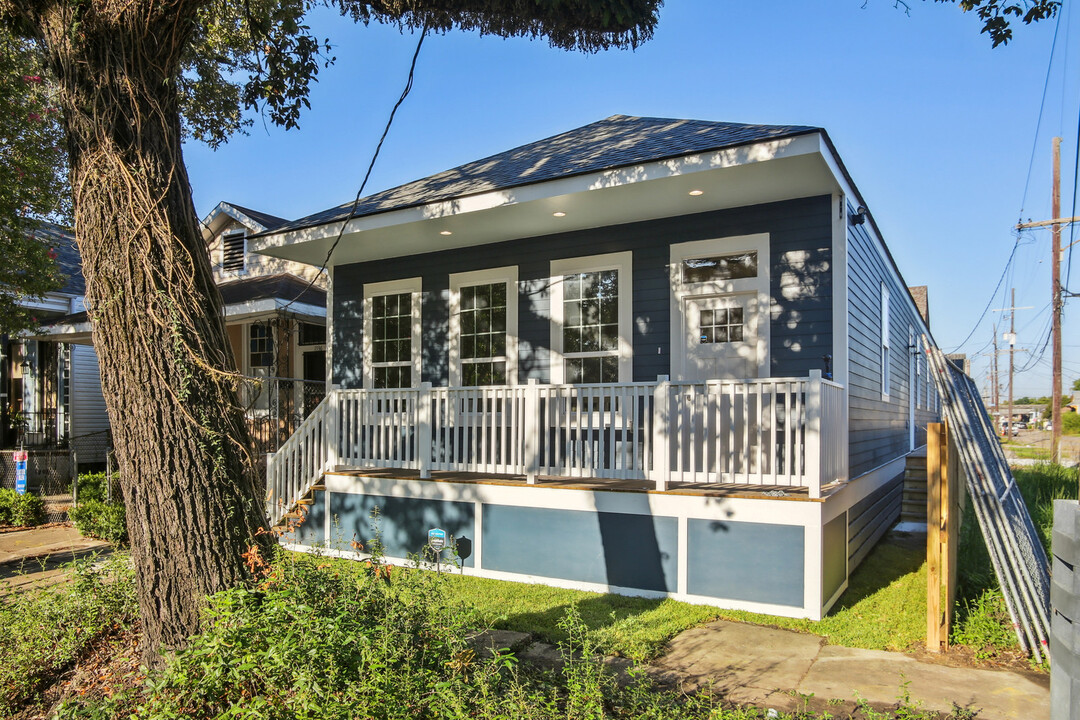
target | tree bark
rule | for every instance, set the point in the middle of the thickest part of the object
(193, 503)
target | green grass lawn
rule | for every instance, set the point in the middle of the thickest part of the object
(884, 608)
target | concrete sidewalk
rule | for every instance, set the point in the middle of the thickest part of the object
(750, 664)
(34, 558)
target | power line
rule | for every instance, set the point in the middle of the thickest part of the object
(1042, 106)
(990, 302)
(371, 166)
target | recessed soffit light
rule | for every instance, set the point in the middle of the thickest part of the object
(695, 193)
(445, 232)
(560, 213)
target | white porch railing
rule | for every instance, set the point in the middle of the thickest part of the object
(772, 431)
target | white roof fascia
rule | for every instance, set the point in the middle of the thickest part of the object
(271, 305)
(643, 172)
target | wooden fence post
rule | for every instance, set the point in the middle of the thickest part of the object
(942, 534)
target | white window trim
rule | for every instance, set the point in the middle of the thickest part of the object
(507, 275)
(623, 263)
(886, 354)
(734, 245)
(413, 286)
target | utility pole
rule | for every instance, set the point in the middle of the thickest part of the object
(1055, 307)
(1056, 300)
(1009, 337)
(997, 381)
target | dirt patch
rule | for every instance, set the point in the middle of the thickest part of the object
(967, 657)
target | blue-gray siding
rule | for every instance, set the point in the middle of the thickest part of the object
(878, 428)
(800, 321)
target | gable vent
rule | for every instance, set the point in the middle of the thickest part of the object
(232, 255)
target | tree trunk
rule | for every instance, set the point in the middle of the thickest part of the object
(193, 503)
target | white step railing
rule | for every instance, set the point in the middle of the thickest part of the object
(773, 431)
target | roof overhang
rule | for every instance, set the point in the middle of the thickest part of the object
(756, 173)
(224, 215)
(81, 333)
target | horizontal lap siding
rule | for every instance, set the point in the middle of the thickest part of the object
(801, 312)
(878, 428)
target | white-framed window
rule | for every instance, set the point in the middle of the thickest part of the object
(234, 252)
(392, 334)
(719, 307)
(483, 327)
(885, 369)
(260, 363)
(591, 319)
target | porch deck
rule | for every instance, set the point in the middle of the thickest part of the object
(699, 489)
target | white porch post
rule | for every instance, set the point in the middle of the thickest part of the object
(661, 437)
(333, 430)
(814, 456)
(532, 431)
(423, 430)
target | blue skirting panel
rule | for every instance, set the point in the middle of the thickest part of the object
(755, 562)
(312, 531)
(621, 549)
(403, 523)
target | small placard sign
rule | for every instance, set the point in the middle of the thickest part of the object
(436, 539)
(20, 471)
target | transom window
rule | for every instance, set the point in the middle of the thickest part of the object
(720, 267)
(483, 334)
(591, 302)
(391, 340)
(722, 325)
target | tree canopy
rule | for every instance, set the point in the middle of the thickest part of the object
(33, 180)
(998, 15)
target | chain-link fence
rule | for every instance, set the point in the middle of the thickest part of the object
(51, 470)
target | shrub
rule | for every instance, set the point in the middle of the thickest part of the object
(20, 510)
(45, 631)
(92, 486)
(1070, 423)
(100, 520)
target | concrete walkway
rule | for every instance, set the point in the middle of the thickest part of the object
(779, 668)
(34, 558)
(790, 671)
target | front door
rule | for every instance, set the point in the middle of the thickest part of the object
(721, 336)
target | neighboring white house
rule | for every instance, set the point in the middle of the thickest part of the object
(275, 315)
(51, 391)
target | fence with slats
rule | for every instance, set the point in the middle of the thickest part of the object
(775, 431)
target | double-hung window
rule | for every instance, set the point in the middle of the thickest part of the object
(591, 306)
(392, 334)
(483, 327)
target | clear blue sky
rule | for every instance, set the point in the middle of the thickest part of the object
(936, 129)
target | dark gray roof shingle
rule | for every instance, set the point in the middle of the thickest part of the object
(270, 222)
(279, 287)
(62, 240)
(617, 141)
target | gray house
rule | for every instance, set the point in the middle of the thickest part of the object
(649, 356)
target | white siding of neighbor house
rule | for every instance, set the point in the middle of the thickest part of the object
(88, 414)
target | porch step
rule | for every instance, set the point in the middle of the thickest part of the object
(913, 505)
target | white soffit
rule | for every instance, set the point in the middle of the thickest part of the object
(748, 175)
